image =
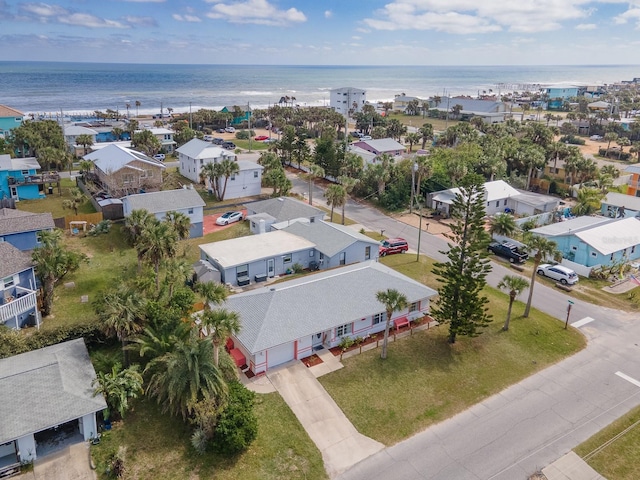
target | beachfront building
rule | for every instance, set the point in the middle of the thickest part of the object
(122, 171)
(240, 113)
(557, 95)
(347, 100)
(490, 111)
(10, 118)
(43, 393)
(401, 102)
(292, 320)
(183, 200)
(20, 180)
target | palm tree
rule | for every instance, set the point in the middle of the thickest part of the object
(85, 140)
(177, 271)
(121, 312)
(426, 133)
(588, 201)
(503, 224)
(227, 168)
(77, 199)
(180, 222)
(209, 173)
(219, 324)
(393, 301)
(515, 284)
(412, 139)
(134, 225)
(336, 196)
(85, 167)
(315, 171)
(184, 376)
(118, 386)
(622, 142)
(543, 248)
(138, 104)
(348, 184)
(424, 169)
(158, 241)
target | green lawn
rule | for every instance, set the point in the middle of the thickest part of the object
(619, 459)
(158, 447)
(425, 380)
(255, 146)
(417, 121)
(53, 203)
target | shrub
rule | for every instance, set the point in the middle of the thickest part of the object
(238, 425)
(572, 139)
(243, 135)
(297, 268)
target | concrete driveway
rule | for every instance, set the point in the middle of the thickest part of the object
(341, 445)
(71, 463)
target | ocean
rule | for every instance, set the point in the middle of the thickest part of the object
(47, 88)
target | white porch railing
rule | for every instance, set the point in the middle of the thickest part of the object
(10, 310)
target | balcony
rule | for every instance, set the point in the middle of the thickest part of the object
(16, 302)
(35, 179)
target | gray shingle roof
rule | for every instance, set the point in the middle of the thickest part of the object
(284, 208)
(46, 387)
(165, 200)
(329, 238)
(13, 260)
(382, 145)
(285, 312)
(16, 221)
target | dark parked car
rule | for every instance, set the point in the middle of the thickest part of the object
(220, 130)
(229, 145)
(509, 251)
(217, 141)
(393, 245)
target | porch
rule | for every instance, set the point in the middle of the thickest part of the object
(15, 306)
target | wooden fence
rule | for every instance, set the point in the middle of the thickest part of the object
(90, 218)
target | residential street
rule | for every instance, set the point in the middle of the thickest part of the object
(529, 425)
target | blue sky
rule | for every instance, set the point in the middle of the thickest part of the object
(323, 32)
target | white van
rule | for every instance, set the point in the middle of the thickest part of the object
(208, 138)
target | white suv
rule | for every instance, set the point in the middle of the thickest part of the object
(564, 275)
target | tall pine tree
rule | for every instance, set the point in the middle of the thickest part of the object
(461, 303)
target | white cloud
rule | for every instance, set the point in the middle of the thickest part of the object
(186, 18)
(633, 14)
(328, 14)
(259, 12)
(356, 37)
(145, 1)
(45, 13)
(486, 16)
(586, 26)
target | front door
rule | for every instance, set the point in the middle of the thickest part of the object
(271, 267)
(14, 192)
(316, 342)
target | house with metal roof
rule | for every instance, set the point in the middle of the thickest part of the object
(595, 241)
(183, 200)
(490, 111)
(380, 146)
(196, 153)
(499, 196)
(21, 229)
(263, 214)
(72, 132)
(10, 118)
(257, 257)
(42, 392)
(20, 179)
(18, 302)
(335, 245)
(291, 320)
(123, 171)
(618, 205)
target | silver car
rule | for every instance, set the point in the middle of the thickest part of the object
(559, 273)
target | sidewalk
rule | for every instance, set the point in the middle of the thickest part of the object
(341, 445)
(571, 467)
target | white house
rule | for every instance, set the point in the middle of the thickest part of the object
(165, 136)
(246, 183)
(342, 100)
(281, 211)
(183, 200)
(291, 320)
(196, 153)
(380, 146)
(42, 391)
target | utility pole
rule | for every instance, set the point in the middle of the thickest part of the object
(249, 121)
(190, 117)
(566, 323)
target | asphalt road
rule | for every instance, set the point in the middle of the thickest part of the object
(533, 423)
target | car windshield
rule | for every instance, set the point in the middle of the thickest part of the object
(385, 243)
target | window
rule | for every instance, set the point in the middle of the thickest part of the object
(343, 258)
(149, 173)
(286, 258)
(8, 282)
(367, 253)
(242, 270)
(343, 330)
(379, 318)
(414, 307)
(127, 178)
(498, 203)
(594, 254)
(312, 220)
(321, 256)
(255, 174)
(201, 162)
(574, 248)
(190, 211)
(232, 178)
(633, 248)
(311, 253)
(611, 257)
(25, 172)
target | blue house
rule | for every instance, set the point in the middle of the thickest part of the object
(18, 304)
(19, 178)
(594, 241)
(557, 95)
(246, 114)
(10, 118)
(20, 229)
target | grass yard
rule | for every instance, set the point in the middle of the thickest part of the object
(417, 121)
(255, 146)
(425, 380)
(337, 215)
(158, 447)
(53, 203)
(619, 460)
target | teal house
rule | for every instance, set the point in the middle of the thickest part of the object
(557, 95)
(594, 241)
(19, 178)
(10, 118)
(237, 120)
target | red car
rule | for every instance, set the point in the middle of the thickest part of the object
(260, 138)
(393, 245)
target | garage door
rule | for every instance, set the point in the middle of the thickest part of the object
(279, 355)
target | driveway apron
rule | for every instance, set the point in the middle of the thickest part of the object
(337, 439)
